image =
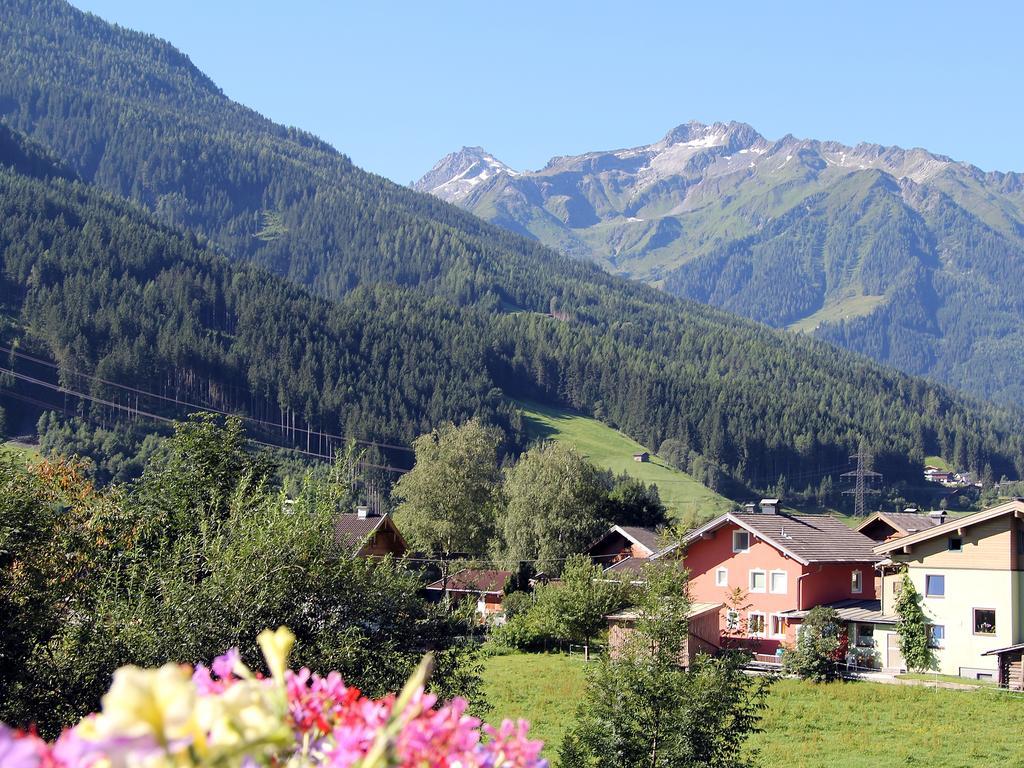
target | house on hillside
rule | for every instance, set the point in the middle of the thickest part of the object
(782, 566)
(365, 534)
(936, 475)
(621, 542)
(882, 526)
(642, 457)
(970, 573)
(485, 587)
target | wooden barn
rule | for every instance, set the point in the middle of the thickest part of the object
(703, 631)
(1011, 666)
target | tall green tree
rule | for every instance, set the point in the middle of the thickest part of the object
(915, 643)
(447, 502)
(555, 505)
(643, 709)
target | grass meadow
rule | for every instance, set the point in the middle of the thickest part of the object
(608, 448)
(852, 725)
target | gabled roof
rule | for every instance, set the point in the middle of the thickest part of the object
(805, 538)
(485, 582)
(1011, 507)
(903, 522)
(352, 531)
(645, 537)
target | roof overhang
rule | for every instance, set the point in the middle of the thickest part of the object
(905, 543)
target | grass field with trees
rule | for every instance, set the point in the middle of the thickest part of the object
(806, 725)
(684, 496)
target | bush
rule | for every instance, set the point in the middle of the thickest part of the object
(820, 647)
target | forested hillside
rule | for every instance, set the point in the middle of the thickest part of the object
(401, 311)
(903, 255)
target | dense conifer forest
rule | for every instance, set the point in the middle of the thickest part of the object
(256, 269)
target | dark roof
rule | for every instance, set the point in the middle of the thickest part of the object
(1007, 649)
(806, 538)
(645, 537)
(628, 565)
(1011, 507)
(905, 522)
(351, 531)
(475, 580)
(866, 611)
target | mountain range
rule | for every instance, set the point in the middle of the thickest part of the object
(156, 234)
(904, 255)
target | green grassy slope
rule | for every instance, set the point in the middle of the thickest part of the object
(22, 451)
(606, 447)
(854, 725)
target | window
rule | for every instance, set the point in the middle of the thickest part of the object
(936, 636)
(758, 580)
(740, 541)
(956, 544)
(777, 584)
(755, 624)
(984, 621)
(778, 625)
(732, 620)
(865, 635)
(897, 587)
(856, 582)
(1020, 541)
(722, 577)
(934, 585)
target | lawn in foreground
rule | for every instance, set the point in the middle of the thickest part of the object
(543, 688)
(609, 448)
(853, 725)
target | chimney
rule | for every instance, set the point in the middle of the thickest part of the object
(363, 512)
(750, 507)
(769, 506)
(938, 514)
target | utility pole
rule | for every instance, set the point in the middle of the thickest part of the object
(861, 475)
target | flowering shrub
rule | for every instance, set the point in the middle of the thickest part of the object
(228, 716)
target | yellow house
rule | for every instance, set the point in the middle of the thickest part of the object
(970, 573)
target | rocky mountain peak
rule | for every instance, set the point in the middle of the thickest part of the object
(456, 174)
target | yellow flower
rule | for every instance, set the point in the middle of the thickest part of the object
(148, 702)
(276, 646)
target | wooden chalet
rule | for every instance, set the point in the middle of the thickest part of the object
(622, 542)
(365, 534)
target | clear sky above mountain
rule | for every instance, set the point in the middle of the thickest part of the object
(397, 85)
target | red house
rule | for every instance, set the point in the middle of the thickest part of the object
(780, 564)
(484, 587)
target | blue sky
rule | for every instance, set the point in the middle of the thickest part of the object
(398, 85)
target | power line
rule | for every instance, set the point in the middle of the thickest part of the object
(157, 417)
(209, 409)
